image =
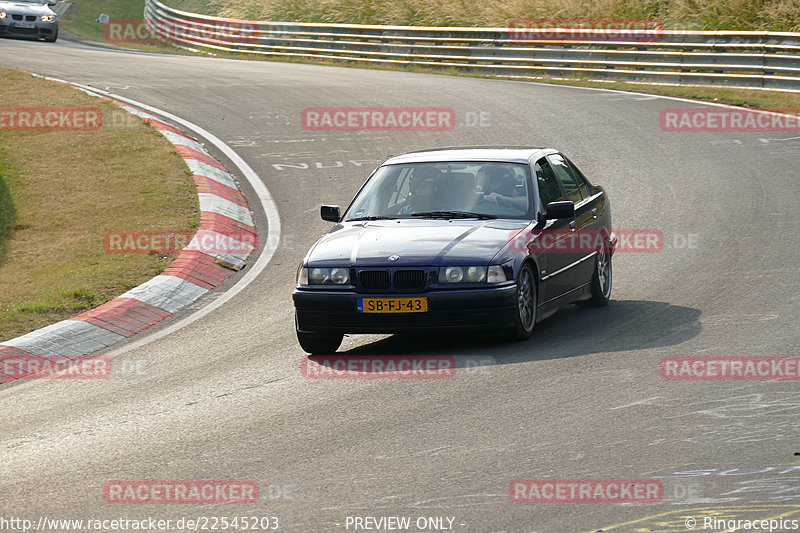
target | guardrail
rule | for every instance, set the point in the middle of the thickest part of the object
(753, 60)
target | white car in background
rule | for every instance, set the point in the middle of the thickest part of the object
(29, 18)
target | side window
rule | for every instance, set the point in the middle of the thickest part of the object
(549, 191)
(584, 184)
(568, 180)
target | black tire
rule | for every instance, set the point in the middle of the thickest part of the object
(319, 343)
(525, 318)
(601, 280)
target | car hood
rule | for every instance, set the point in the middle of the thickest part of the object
(26, 8)
(416, 242)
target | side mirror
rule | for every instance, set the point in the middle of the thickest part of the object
(330, 213)
(565, 209)
(51, 3)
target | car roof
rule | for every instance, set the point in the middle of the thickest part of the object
(478, 153)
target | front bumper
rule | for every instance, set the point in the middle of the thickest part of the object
(489, 309)
(40, 31)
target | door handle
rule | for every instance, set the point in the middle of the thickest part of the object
(594, 213)
(572, 225)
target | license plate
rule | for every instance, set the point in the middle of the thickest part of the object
(392, 305)
(24, 24)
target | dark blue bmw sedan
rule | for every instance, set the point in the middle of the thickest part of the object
(490, 239)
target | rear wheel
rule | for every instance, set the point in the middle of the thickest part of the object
(525, 318)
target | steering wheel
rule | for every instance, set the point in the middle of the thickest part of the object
(500, 209)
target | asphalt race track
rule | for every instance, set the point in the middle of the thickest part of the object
(224, 398)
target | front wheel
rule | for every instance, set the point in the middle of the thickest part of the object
(525, 318)
(601, 279)
(319, 343)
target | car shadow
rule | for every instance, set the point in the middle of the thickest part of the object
(621, 326)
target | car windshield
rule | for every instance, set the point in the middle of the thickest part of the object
(483, 189)
(39, 2)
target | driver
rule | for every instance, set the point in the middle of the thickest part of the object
(497, 185)
(422, 188)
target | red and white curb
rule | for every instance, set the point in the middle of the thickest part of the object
(223, 211)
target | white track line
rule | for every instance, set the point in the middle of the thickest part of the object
(660, 96)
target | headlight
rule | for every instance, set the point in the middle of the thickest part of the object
(48, 18)
(455, 274)
(324, 276)
(2, 15)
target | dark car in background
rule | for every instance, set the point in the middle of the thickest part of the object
(491, 239)
(31, 19)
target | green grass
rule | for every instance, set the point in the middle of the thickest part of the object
(80, 17)
(73, 299)
(55, 210)
(8, 213)
(80, 20)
